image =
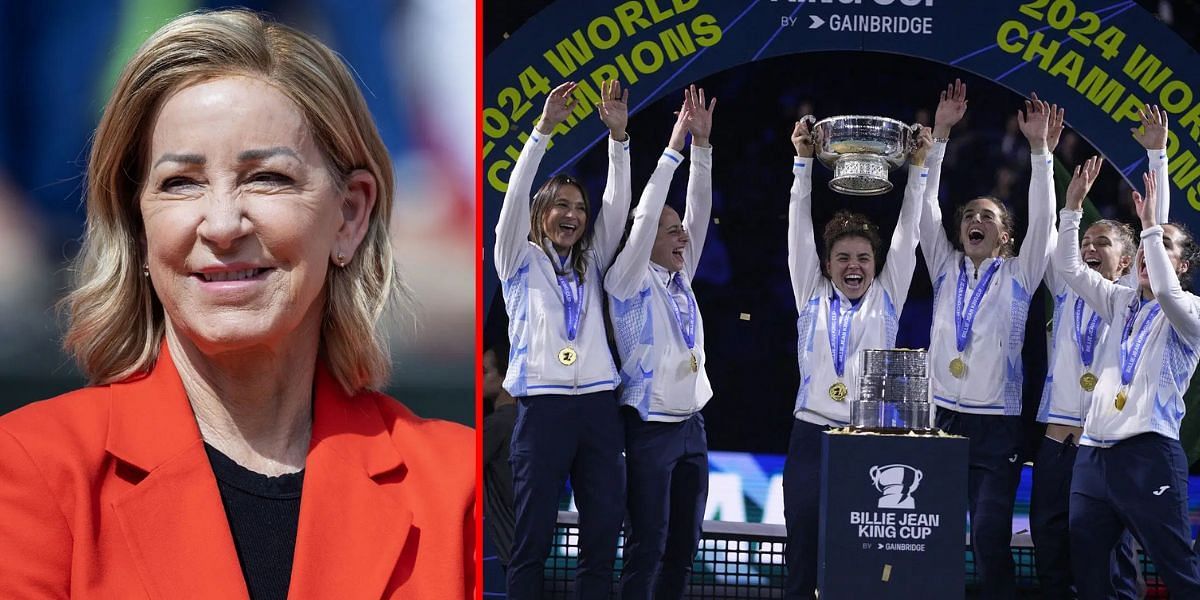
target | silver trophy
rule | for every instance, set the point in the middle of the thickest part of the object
(861, 150)
(893, 392)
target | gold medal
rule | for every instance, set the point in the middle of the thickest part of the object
(958, 368)
(1088, 381)
(1121, 397)
(838, 391)
(694, 364)
(567, 356)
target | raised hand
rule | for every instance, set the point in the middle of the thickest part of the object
(952, 105)
(924, 142)
(1034, 123)
(802, 139)
(1153, 133)
(614, 108)
(1054, 127)
(1147, 206)
(700, 122)
(680, 130)
(1081, 182)
(559, 104)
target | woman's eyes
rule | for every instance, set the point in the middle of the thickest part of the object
(172, 183)
(265, 177)
(270, 177)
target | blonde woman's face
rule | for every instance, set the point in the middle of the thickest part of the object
(242, 216)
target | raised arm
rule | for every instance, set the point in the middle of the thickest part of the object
(512, 229)
(1178, 306)
(803, 263)
(699, 191)
(624, 279)
(952, 105)
(1152, 135)
(1097, 291)
(1036, 247)
(618, 193)
(1054, 131)
(902, 253)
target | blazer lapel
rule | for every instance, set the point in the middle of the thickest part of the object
(352, 528)
(172, 518)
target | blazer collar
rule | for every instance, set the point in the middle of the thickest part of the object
(353, 525)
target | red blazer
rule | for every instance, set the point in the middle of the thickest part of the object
(106, 492)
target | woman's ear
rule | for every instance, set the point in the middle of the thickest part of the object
(1123, 264)
(358, 202)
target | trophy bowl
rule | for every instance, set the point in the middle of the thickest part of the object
(861, 150)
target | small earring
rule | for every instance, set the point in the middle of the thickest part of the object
(146, 270)
(341, 260)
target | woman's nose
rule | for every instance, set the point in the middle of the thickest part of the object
(223, 221)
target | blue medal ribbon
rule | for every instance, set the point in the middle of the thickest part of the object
(964, 321)
(1086, 338)
(1131, 355)
(572, 294)
(839, 332)
(687, 324)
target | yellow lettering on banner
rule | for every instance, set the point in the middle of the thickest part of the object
(677, 42)
(647, 64)
(579, 48)
(496, 179)
(630, 14)
(1007, 29)
(1192, 118)
(1069, 66)
(657, 14)
(602, 73)
(1184, 169)
(495, 124)
(1104, 95)
(1193, 200)
(628, 74)
(569, 54)
(1182, 103)
(603, 32)
(1146, 68)
(1129, 109)
(533, 83)
(1035, 48)
(708, 33)
(512, 152)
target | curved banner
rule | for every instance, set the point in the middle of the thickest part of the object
(1100, 59)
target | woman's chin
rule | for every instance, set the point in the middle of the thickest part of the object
(223, 335)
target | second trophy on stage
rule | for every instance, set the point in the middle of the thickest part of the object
(893, 392)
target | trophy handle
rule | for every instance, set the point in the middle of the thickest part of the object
(914, 134)
(811, 121)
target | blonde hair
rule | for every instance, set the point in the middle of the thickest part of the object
(116, 322)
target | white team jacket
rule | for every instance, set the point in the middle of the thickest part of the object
(1154, 400)
(876, 321)
(532, 296)
(1064, 401)
(992, 382)
(656, 373)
